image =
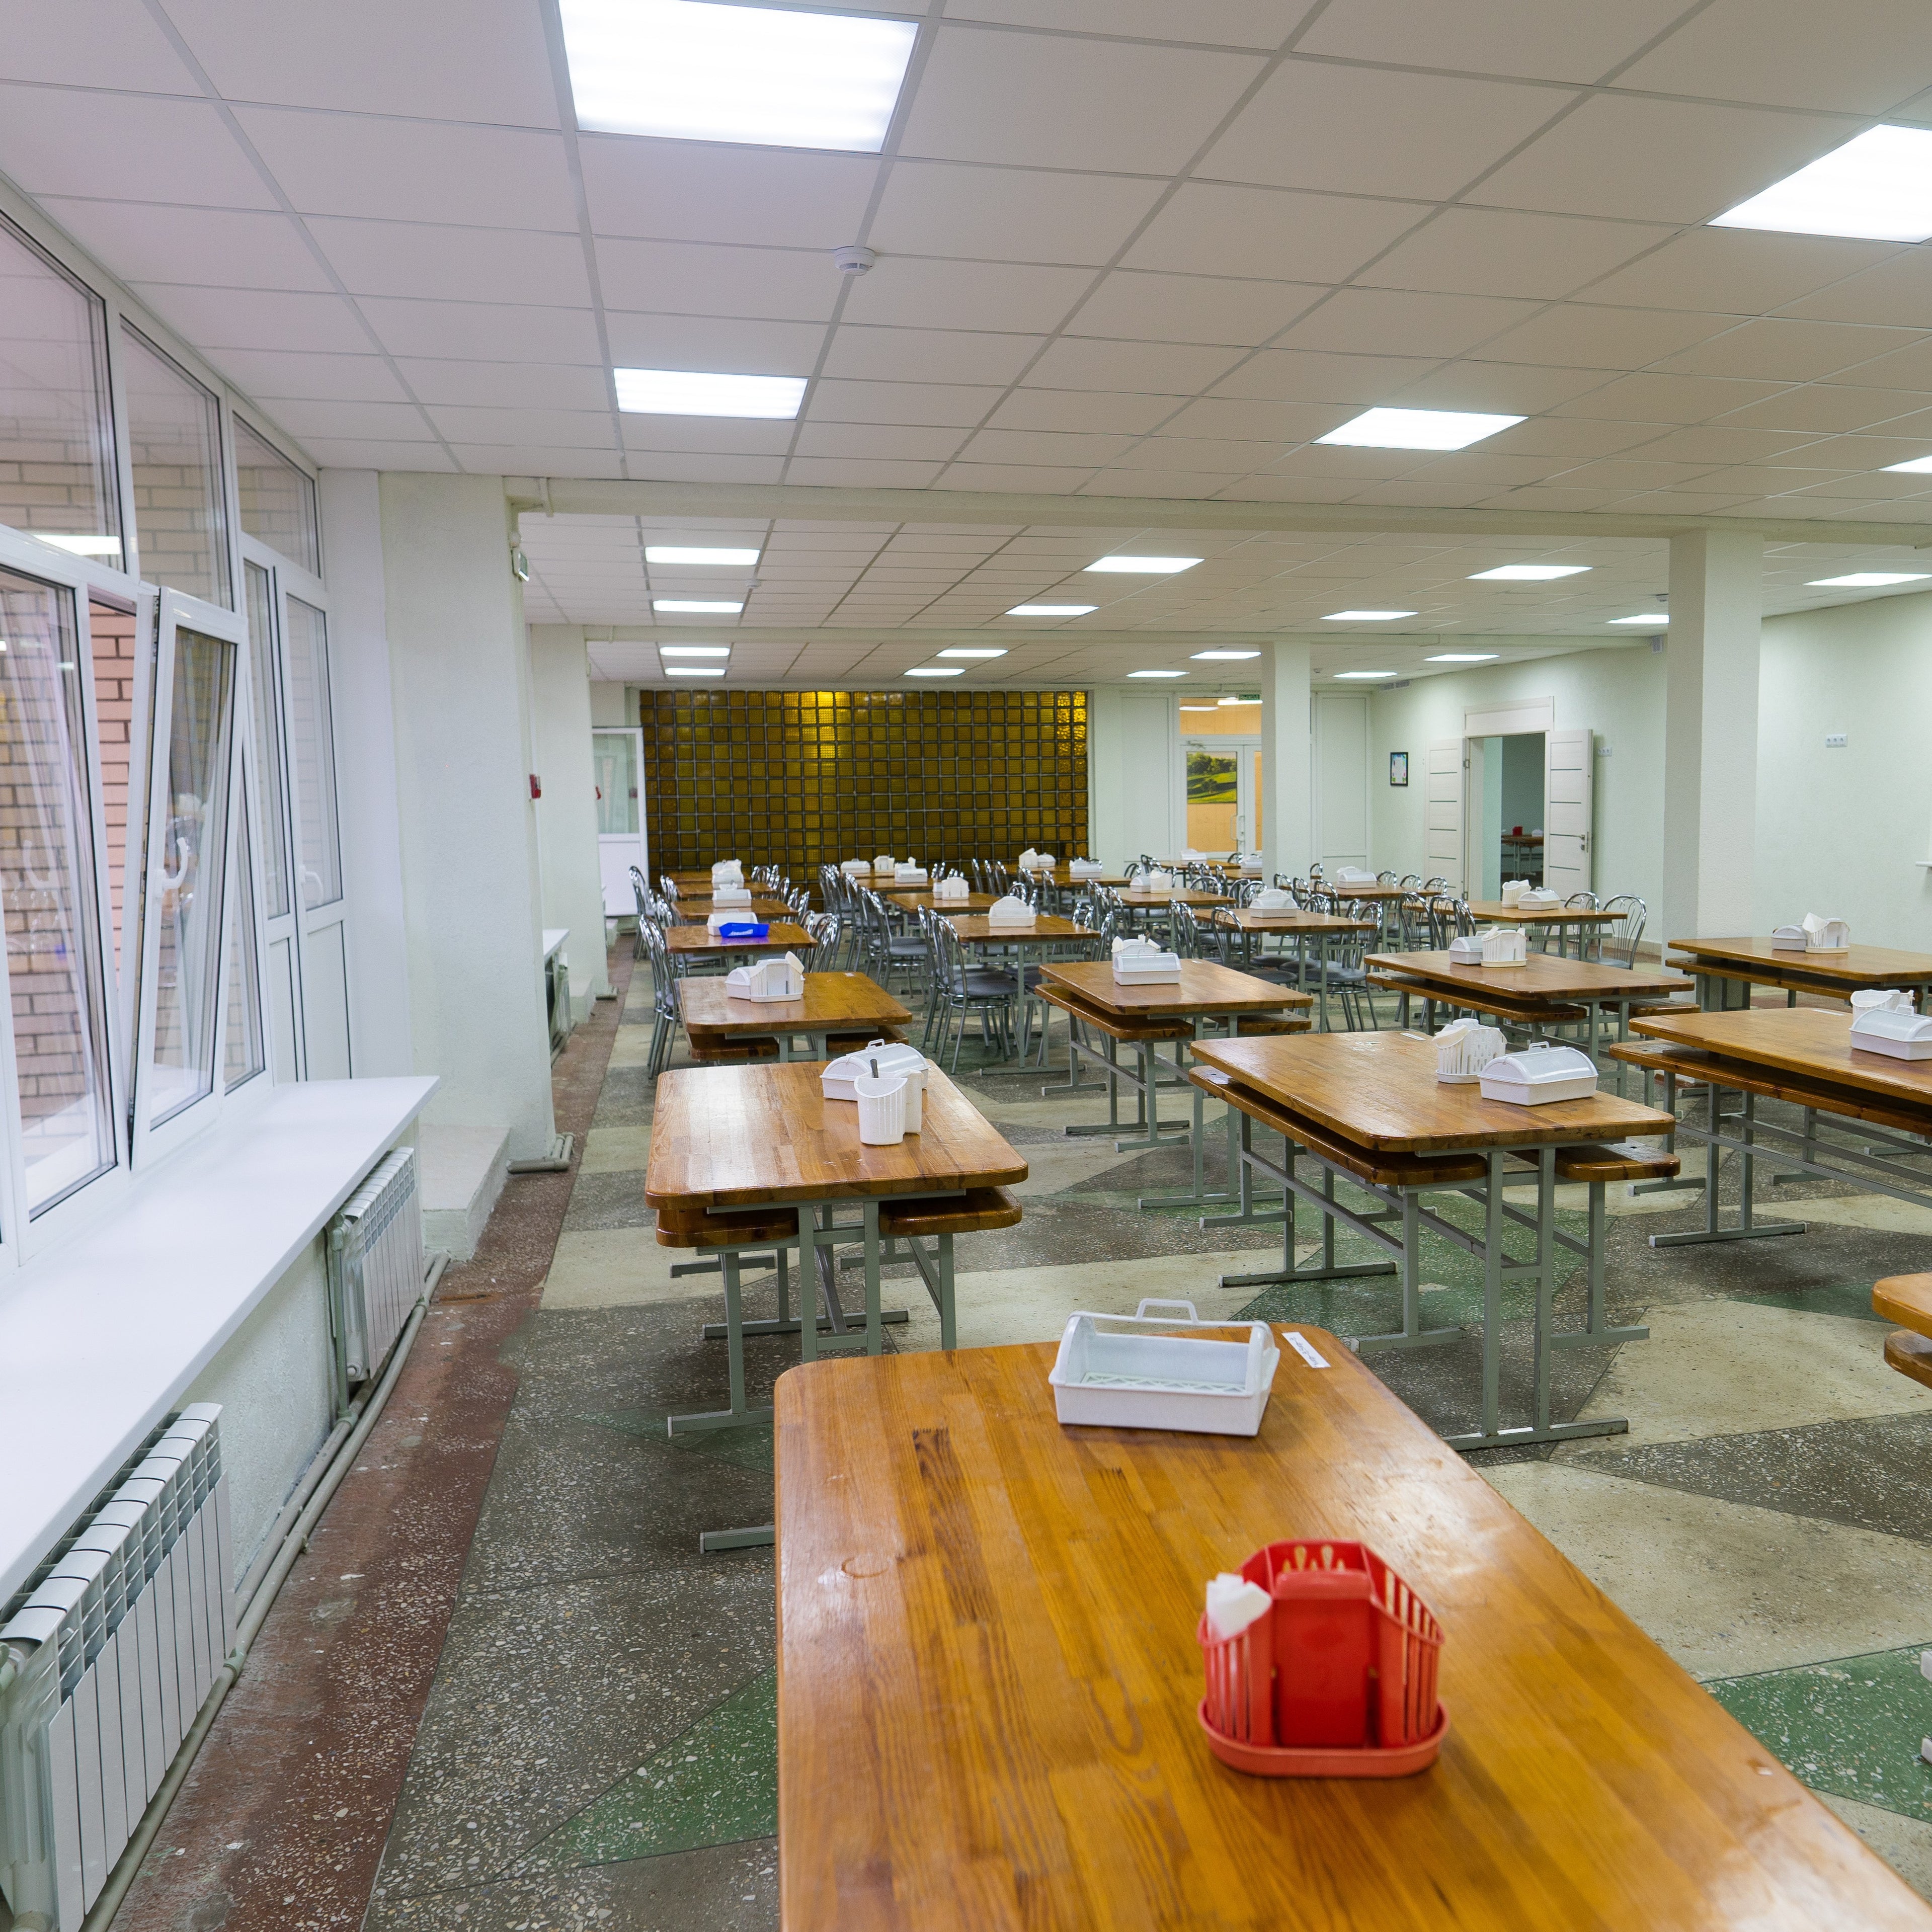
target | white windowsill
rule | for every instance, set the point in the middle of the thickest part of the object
(99, 1339)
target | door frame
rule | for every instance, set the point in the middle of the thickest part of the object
(1244, 752)
(636, 734)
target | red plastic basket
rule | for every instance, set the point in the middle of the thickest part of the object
(1338, 1680)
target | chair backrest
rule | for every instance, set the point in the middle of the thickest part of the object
(640, 890)
(1410, 881)
(1581, 902)
(825, 930)
(1438, 884)
(1183, 931)
(1619, 942)
(1385, 878)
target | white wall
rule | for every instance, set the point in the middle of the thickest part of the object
(1341, 732)
(573, 887)
(612, 703)
(1132, 748)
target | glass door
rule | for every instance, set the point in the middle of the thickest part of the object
(1223, 794)
(619, 756)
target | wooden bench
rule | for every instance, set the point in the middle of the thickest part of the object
(1528, 1012)
(710, 1048)
(1789, 984)
(1907, 1299)
(1132, 1032)
(1600, 1165)
(913, 1222)
(1691, 1064)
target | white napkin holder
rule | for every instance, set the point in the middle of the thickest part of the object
(1189, 853)
(954, 888)
(897, 1059)
(856, 866)
(1043, 862)
(727, 872)
(729, 893)
(1272, 898)
(1158, 880)
(1826, 935)
(1354, 875)
(1139, 1372)
(1513, 890)
(1501, 946)
(1009, 911)
(1028, 859)
(1251, 869)
(1895, 999)
(1539, 1075)
(884, 862)
(882, 1109)
(1901, 1034)
(718, 921)
(1141, 963)
(1085, 869)
(767, 980)
(1539, 898)
(909, 875)
(1464, 1049)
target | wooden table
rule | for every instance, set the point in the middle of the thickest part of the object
(1543, 980)
(1160, 900)
(1048, 929)
(1493, 912)
(1206, 994)
(1722, 964)
(989, 1677)
(921, 898)
(1062, 875)
(1803, 1055)
(1324, 928)
(832, 1002)
(697, 909)
(698, 942)
(1368, 1108)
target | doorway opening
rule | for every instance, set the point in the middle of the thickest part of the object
(1511, 841)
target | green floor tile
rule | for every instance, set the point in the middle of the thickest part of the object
(748, 1447)
(717, 1784)
(1851, 1299)
(1852, 1727)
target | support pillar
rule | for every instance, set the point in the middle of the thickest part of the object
(573, 885)
(1286, 815)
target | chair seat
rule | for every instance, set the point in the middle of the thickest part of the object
(1910, 1354)
(713, 1230)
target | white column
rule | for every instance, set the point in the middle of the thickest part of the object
(473, 919)
(573, 885)
(1710, 735)
(1288, 830)
(612, 704)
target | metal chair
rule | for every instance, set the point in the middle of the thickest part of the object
(1618, 943)
(641, 892)
(957, 988)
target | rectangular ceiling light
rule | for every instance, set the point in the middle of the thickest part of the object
(80, 545)
(1868, 580)
(1463, 657)
(685, 71)
(1656, 619)
(710, 606)
(1052, 610)
(690, 554)
(693, 650)
(1223, 657)
(699, 392)
(1528, 573)
(1364, 616)
(1197, 707)
(1365, 673)
(1918, 467)
(1156, 673)
(1417, 429)
(693, 670)
(1877, 187)
(1144, 566)
(1237, 701)
(961, 651)
(937, 670)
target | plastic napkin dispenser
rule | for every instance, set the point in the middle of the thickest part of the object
(1084, 867)
(1897, 1032)
(727, 872)
(1539, 1075)
(1141, 964)
(729, 893)
(836, 1082)
(849, 866)
(1009, 911)
(1354, 875)
(768, 979)
(909, 875)
(1538, 899)
(954, 888)
(1464, 1049)
(1272, 898)
(1504, 946)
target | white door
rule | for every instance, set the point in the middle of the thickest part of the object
(1342, 780)
(1567, 781)
(1442, 806)
(618, 755)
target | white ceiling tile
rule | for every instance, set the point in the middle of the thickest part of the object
(927, 355)
(1012, 298)
(442, 264)
(690, 278)
(1095, 411)
(123, 48)
(1148, 307)
(1657, 160)
(527, 459)
(1301, 375)
(695, 191)
(726, 343)
(1578, 335)
(1737, 271)
(1233, 23)
(1511, 388)
(1545, 40)
(909, 444)
(1358, 131)
(1217, 228)
(562, 429)
(1621, 475)
(371, 56)
(1232, 457)
(1147, 368)
(1897, 291)
(397, 422)
(1010, 476)
(1903, 369)
(1493, 251)
(1033, 101)
(711, 435)
(1020, 446)
(1007, 214)
(1776, 349)
(528, 385)
(1827, 409)
(415, 170)
(1726, 445)
(256, 318)
(366, 453)
(1856, 57)
(861, 473)
(1390, 322)
(489, 332)
(1568, 436)
(123, 147)
(269, 374)
(216, 247)
(1667, 399)
(935, 404)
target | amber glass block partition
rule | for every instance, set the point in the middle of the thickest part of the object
(800, 779)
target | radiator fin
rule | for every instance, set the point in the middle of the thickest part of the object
(375, 1266)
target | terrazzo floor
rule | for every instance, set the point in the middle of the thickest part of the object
(598, 1747)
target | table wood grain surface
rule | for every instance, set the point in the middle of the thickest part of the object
(739, 1136)
(975, 929)
(783, 937)
(1379, 1091)
(988, 1676)
(701, 906)
(1245, 919)
(1496, 913)
(1203, 988)
(1336, 890)
(842, 1000)
(1171, 895)
(1815, 1041)
(1543, 975)
(921, 899)
(1860, 966)
(1061, 875)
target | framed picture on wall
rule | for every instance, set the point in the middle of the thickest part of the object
(1398, 768)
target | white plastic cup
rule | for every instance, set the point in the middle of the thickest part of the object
(882, 1109)
(915, 1098)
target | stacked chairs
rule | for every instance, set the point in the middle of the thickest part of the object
(665, 1018)
(641, 892)
(957, 988)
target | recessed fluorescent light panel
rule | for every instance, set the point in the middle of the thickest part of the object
(1156, 673)
(1144, 566)
(1918, 467)
(1052, 610)
(1417, 429)
(1877, 187)
(693, 650)
(1529, 573)
(1868, 580)
(689, 553)
(80, 546)
(961, 651)
(1365, 673)
(698, 392)
(693, 670)
(1364, 616)
(937, 670)
(1219, 701)
(1222, 657)
(684, 71)
(1655, 620)
(1197, 707)
(1463, 657)
(708, 606)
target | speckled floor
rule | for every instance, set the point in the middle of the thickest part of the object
(598, 1745)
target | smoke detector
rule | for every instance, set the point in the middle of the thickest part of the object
(852, 260)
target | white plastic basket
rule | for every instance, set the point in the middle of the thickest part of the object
(1144, 1372)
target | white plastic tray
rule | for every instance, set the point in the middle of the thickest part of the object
(1142, 1371)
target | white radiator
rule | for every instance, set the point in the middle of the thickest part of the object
(375, 1267)
(118, 1638)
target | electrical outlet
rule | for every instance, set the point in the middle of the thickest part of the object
(1834, 741)
(1603, 750)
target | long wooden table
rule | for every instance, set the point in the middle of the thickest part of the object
(699, 907)
(921, 898)
(831, 1003)
(1368, 1109)
(1722, 964)
(1493, 912)
(699, 942)
(1324, 929)
(989, 1677)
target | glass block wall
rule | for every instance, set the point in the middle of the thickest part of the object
(800, 779)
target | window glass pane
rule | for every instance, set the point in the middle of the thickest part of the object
(315, 753)
(616, 782)
(242, 1054)
(56, 431)
(175, 429)
(55, 978)
(277, 500)
(273, 775)
(114, 645)
(189, 857)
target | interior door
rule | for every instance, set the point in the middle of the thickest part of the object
(1215, 817)
(1568, 786)
(618, 755)
(1443, 809)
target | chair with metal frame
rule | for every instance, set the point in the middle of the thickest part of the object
(959, 987)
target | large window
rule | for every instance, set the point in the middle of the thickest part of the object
(267, 709)
(277, 500)
(174, 426)
(242, 1055)
(312, 729)
(57, 478)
